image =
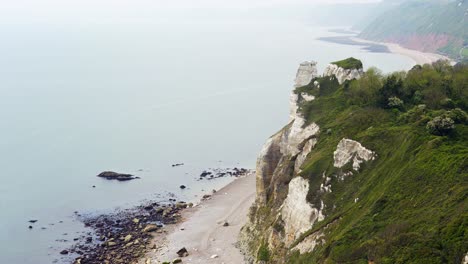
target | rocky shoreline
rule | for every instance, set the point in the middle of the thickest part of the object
(124, 237)
(127, 235)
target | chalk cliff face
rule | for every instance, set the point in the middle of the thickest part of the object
(342, 74)
(280, 161)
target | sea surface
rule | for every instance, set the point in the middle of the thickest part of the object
(201, 87)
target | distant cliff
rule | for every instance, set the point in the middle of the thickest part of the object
(370, 169)
(429, 26)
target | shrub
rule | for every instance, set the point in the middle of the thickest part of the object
(447, 103)
(440, 125)
(458, 116)
(263, 253)
(395, 102)
(414, 114)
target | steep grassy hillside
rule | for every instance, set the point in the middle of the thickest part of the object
(409, 205)
(433, 26)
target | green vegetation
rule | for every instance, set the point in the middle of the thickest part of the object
(263, 253)
(423, 20)
(412, 204)
(464, 52)
(349, 63)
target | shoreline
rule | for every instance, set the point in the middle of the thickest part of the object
(417, 56)
(129, 235)
(208, 231)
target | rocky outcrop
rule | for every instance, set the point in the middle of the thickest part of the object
(110, 175)
(305, 74)
(301, 158)
(297, 213)
(348, 150)
(342, 74)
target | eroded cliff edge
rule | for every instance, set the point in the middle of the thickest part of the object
(322, 177)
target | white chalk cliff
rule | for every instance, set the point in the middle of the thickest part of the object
(297, 214)
(281, 160)
(342, 74)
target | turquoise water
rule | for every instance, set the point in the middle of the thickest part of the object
(76, 100)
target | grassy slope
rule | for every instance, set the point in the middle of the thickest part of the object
(349, 63)
(412, 199)
(423, 17)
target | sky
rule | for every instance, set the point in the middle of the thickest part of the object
(13, 12)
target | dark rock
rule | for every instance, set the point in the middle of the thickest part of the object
(226, 223)
(183, 187)
(30, 227)
(177, 164)
(110, 175)
(64, 252)
(182, 252)
(32, 221)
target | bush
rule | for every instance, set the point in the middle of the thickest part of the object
(447, 103)
(263, 253)
(440, 125)
(458, 116)
(413, 115)
(395, 102)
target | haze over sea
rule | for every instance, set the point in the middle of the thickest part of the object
(204, 87)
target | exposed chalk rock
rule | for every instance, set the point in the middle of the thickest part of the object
(293, 105)
(297, 213)
(293, 137)
(310, 242)
(307, 97)
(342, 74)
(301, 158)
(306, 72)
(348, 150)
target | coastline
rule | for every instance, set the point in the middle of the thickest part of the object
(130, 235)
(208, 231)
(417, 56)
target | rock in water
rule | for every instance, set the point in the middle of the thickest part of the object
(183, 187)
(111, 175)
(64, 252)
(150, 228)
(182, 252)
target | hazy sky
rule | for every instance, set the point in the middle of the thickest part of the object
(126, 11)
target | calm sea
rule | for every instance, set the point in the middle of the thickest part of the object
(77, 99)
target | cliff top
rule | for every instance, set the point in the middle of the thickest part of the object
(349, 63)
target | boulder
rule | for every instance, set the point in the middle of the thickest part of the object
(111, 175)
(182, 252)
(150, 228)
